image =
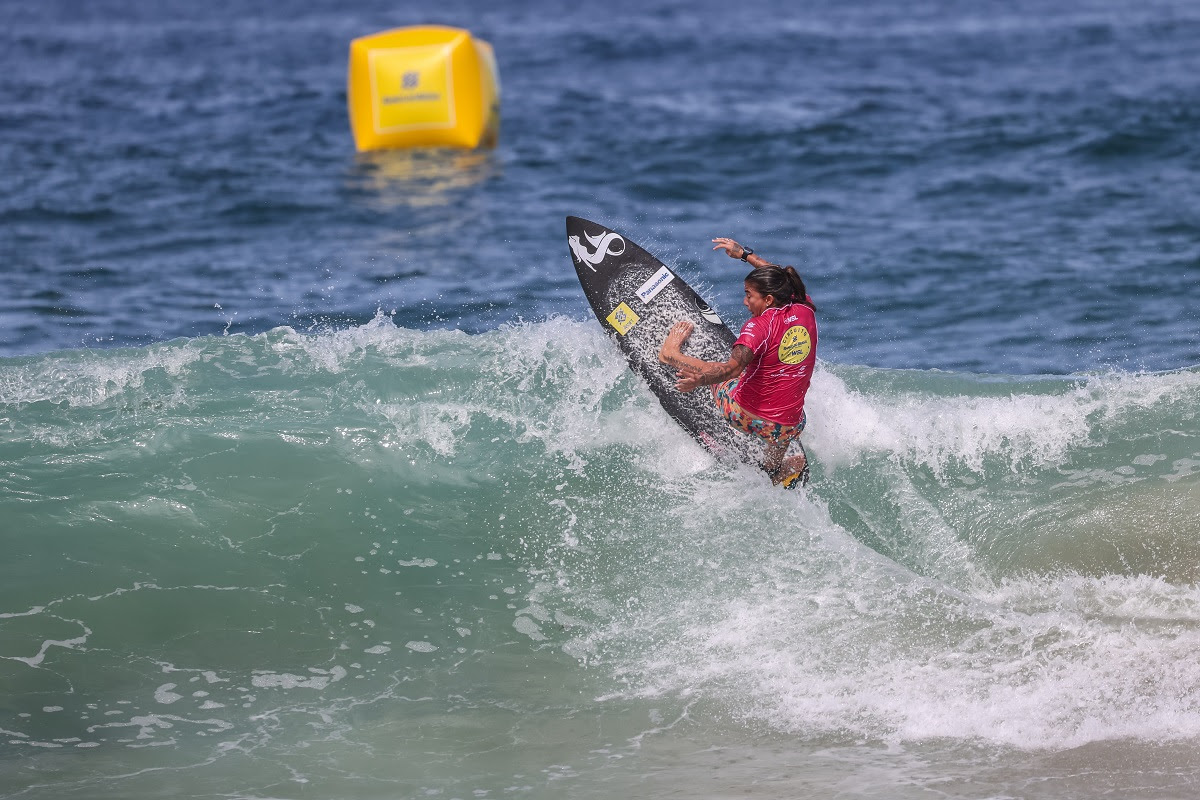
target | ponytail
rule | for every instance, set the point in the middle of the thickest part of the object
(782, 283)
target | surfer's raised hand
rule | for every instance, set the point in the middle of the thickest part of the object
(739, 251)
(731, 247)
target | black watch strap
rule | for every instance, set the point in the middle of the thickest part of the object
(746, 253)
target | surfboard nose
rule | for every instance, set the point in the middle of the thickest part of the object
(575, 223)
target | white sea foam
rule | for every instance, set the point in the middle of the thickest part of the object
(287, 680)
(818, 636)
(164, 695)
(88, 378)
(1032, 425)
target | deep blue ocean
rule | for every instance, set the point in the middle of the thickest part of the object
(319, 480)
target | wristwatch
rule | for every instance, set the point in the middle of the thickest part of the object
(746, 253)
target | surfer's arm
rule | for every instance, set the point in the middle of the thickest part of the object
(735, 250)
(696, 372)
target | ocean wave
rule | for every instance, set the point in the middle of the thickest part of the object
(289, 523)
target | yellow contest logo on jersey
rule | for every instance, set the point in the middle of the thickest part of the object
(622, 318)
(795, 345)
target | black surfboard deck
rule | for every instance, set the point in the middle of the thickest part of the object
(637, 299)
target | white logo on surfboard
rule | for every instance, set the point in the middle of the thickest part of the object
(603, 242)
(707, 312)
(656, 284)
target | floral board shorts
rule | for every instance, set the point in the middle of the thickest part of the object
(743, 420)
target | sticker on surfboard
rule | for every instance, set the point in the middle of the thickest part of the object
(607, 243)
(658, 281)
(707, 312)
(622, 319)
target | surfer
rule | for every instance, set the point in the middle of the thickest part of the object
(761, 388)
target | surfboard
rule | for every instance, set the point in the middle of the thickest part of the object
(637, 299)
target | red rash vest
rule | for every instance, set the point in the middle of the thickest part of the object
(784, 343)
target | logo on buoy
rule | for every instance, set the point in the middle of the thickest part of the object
(603, 242)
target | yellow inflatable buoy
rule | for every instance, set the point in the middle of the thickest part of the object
(427, 86)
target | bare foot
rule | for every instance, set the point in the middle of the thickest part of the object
(789, 467)
(794, 464)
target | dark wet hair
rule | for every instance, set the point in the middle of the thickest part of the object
(782, 283)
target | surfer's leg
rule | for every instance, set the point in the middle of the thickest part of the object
(787, 468)
(780, 468)
(774, 460)
(790, 471)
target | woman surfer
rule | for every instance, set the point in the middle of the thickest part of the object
(761, 388)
